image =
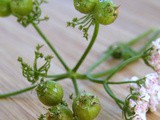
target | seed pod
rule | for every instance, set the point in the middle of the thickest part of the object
(86, 106)
(85, 6)
(122, 51)
(50, 93)
(21, 8)
(59, 112)
(105, 12)
(5, 8)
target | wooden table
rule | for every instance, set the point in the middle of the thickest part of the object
(135, 17)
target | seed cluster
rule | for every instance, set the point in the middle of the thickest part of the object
(101, 11)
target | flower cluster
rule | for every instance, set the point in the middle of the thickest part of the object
(154, 58)
(145, 95)
(36, 72)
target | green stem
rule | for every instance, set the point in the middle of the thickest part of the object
(80, 76)
(125, 82)
(74, 81)
(123, 64)
(100, 81)
(103, 73)
(50, 45)
(106, 72)
(59, 78)
(140, 37)
(109, 52)
(99, 61)
(107, 89)
(96, 80)
(153, 37)
(119, 67)
(96, 29)
(35, 63)
(115, 69)
(55, 76)
(27, 89)
(17, 92)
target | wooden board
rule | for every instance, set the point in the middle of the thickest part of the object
(135, 17)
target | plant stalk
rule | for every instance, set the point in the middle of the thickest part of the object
(96, 29)
(50, 45)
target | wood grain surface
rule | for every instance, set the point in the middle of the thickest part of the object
(135, 17)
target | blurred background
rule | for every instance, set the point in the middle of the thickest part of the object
(135, 17)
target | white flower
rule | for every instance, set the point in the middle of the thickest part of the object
(132, 103)
(134, 86)
(158, 95)
(144, 94)
(140, 117)
(154, 59)
(140, 110)
(153, 103)
(141, 107)
(147, 94)
(152, 86)
(151, 80)
(156, 44)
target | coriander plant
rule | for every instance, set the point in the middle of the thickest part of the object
(144, 94)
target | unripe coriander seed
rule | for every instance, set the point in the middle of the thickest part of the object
(5, 8)
(59, 112)
(50, 93)
(86, 106)
(85, 6)
(21, 8)
(105, 12)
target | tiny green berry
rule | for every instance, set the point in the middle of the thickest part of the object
(50, 93)
(86, 106)
(59, 112)
(85, 6)
(105, 12)
(21, 8)
(5, 8)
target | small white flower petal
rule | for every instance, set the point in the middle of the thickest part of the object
(141, 116)
(151, 80)
(153, 103)
(146, 97)
(134, 85)
(132, 103)
(156, 43)
(134, 78)
(158, 95)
